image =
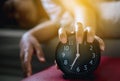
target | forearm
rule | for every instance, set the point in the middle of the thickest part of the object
(85, 15)
(40, 10)
(45, 31)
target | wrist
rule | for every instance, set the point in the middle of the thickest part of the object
(27, 36)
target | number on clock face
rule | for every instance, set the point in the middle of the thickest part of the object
(63, 54)
(93, 55)
(78, 68)
(66, 48)
(91, 47)
(85, 67)
(91, 62)
(70, 42)
(65, 62)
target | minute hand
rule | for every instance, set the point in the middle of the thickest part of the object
(77, 56)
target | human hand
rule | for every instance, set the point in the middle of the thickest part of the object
(79, 31)
(28, 46)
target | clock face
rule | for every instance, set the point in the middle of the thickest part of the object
(77, 59)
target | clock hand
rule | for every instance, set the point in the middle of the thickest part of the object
(77, 55)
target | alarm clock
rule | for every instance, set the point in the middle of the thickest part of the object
(78, 60)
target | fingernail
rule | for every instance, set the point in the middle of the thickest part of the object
(55, 62)
(90, 39)
(102, 48)
(64, 40)
(57, 67)
(42, 59)
(28, 74)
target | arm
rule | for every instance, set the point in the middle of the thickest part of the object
(87, 17)
(30, 44)
(84, 14)
(45, 31)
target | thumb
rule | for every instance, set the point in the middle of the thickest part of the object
(101, 42)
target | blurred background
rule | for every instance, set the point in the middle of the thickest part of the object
(17, 17)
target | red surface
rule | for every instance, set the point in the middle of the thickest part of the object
(108, 70)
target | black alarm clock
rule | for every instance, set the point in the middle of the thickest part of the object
(78, 60)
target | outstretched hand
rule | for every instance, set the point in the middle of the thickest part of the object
(79, 33)
(29, 45)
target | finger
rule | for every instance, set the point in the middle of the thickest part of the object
(101, 42)
(79, 32)
(62, 35)
(22, 56)
(90, 34)
(39, 52)
(27, 61)
(56, 64)
(22, 61)
(29, 70)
